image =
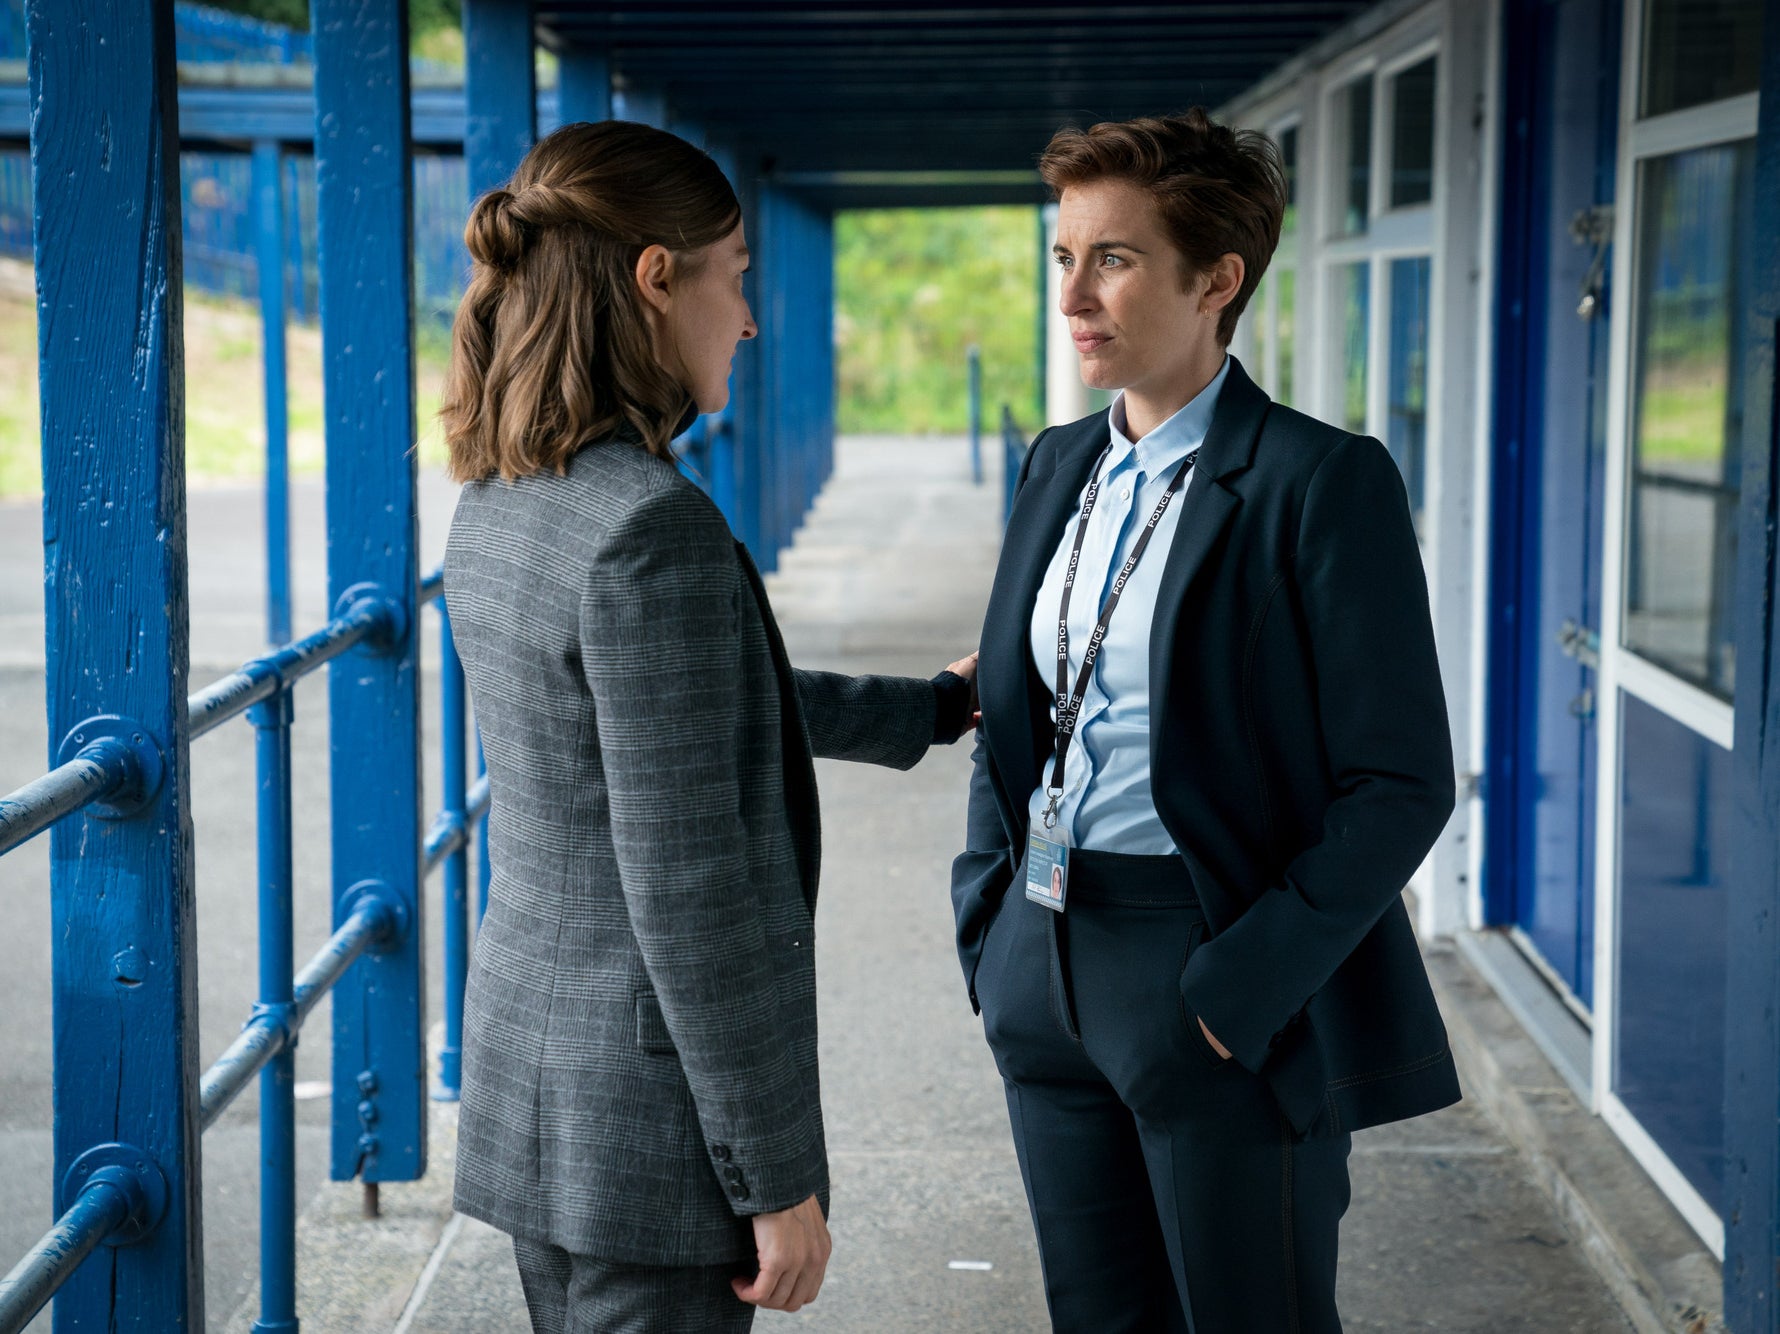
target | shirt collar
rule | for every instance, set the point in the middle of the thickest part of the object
(1175, 438)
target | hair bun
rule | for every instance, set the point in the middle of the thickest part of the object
(495, 235)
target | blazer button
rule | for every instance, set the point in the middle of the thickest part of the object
(738, 1191)
(720, 1152)
(732, 1175)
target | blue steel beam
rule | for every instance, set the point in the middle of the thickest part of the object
(1751, 1204)
(500, 93)
(105, 178)
(364, 208)
(454, 896)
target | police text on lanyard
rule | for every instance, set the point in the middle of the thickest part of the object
(1069, 703)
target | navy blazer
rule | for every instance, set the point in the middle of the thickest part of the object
(1299, 749)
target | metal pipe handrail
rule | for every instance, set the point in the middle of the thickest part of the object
(268, 1031)
(98, 1211)
(97, 772)
(106, 765)
(264, 677)
(450, 832)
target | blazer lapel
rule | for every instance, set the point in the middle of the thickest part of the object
(1044, 506)
(1205, 512)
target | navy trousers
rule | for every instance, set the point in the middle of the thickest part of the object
(1167, 1191)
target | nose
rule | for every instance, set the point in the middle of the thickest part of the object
(749, 328)
(1074, 297)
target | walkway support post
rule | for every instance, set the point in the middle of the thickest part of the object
(364, 206)
(105, 178)
(974, 356)
(583, 84)
(500, 90)
(268, 221)
(1751, 1207)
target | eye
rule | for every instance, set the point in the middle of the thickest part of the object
(1110, 261)
(1064, 261)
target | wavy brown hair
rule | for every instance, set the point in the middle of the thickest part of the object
(550, 350)
(1217, 190)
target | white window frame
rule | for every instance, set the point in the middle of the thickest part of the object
(1623, 669)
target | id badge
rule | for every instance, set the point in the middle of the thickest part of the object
(1047, 872)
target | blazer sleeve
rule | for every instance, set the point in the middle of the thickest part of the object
(1364, 601)
(982, 873)
(872, 719)
(661, 653)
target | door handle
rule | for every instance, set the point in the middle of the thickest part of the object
(1593, 226)
(1580, 642)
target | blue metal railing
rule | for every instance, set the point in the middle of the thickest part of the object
(118, 1197)
(1013, 456)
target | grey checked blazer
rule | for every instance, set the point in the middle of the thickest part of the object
(640, 1026)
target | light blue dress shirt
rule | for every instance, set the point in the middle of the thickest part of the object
(1106, 779)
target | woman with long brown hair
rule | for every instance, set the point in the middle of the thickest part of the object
(640, 1103)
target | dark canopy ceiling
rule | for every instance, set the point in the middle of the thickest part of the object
(847, 86)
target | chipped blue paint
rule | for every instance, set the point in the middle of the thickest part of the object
(105, 178)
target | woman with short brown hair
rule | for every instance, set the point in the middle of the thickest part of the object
(640, 1102)
(1213, 750)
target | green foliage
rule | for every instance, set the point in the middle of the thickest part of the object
(425, 17)
(913, 289)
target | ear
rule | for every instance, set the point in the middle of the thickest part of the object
(1222, 282)
(654, 275)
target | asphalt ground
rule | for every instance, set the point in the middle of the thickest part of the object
(1447, 1231)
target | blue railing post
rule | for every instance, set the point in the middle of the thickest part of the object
(455, 899)
(364, 207)
(974, 356)
(105, 177)
(484, 870)
(268, 214)
(583, 84)
(271, 721)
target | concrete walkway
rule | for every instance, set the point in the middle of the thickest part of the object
(1448, 1230)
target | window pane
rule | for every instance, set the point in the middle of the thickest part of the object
(1406, 424)
(1257, 325)
(1412, 135)
(1353, 298)
(1287, 280)
(1693, 236)
(1699, 51)
(1353, 125)
(1675, 830)
(1288, 152)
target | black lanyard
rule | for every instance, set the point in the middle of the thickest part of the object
(1069, 703)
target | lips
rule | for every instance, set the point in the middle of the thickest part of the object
(1089, 342)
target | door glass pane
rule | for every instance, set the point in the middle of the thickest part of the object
(1353, 134)
(1288, 153)
(1698, 51)
(1675, 828)
(1353, 305)
(1693, 237)
(1412, 135)
(1287, 281)
(1257, 326)
(1406, 423)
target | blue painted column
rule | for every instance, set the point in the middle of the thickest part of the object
(105, 176)
(584, 84)
(268, 219)
(1751, 1207)
(647, 106)
(500, 90)
(364, 205)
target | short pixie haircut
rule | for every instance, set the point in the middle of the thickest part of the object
(1217, 190)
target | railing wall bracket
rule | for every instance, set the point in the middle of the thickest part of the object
(391, 613)
(131, 1172)
(128, 747)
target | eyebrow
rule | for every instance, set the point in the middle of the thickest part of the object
(1061, 249)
